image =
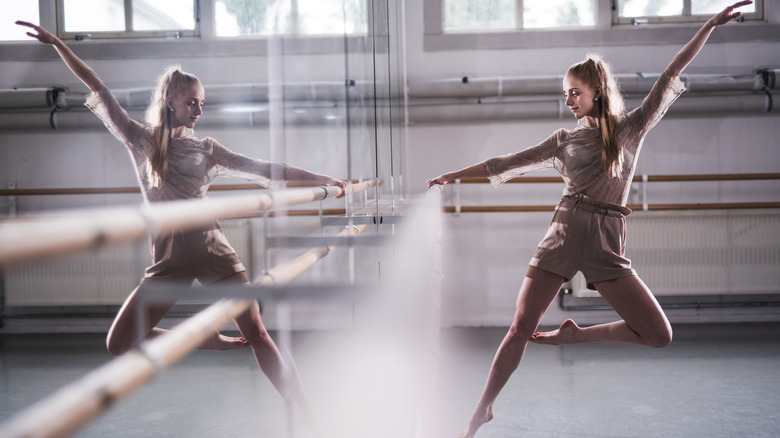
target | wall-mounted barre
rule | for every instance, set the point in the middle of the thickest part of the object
(33, 239)
(643, 179)
(129, 189)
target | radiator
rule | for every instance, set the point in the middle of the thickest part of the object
(675, 253)
(102, 277)
(703, 253)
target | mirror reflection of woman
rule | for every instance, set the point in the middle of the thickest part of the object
(172, 164)
(597, 161)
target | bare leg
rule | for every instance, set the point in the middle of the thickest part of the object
(123, 333)
(286, 380)
(537, 292)
(644, 322)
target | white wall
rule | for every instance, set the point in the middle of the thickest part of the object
(488, 252)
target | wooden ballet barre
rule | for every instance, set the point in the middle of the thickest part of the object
(640, 178)
(70, 408)
(48, 236)
(134, 189)
(650, 207)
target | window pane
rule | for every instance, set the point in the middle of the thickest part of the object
(464, 15)
(26, 10)
(707, 7)
(94, 15)
(163, 15)
(328, 17)
(558, 13)
(243, 17)
(649, 8)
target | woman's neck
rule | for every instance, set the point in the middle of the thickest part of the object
(590, 122)
(178, 132)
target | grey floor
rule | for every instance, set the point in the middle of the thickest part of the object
(713, 381)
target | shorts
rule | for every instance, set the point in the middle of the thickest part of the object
(203, 254)
(588, 236)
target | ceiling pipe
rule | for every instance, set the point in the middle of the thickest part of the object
(638, 83)
(245, 105)
(33, 97)
(257, 117)
(215, 94)
(487, 110)
(418, 111)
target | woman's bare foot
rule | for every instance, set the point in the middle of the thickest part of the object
(477, 420)
(220, 342)
(562, 336)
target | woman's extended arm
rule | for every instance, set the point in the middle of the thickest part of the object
(690, 50)
(297, 174)
(478, 170)
(76, 65)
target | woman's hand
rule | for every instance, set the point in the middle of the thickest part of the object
(76, 65)
(727, 14)
(338, 183)
(41, 34)
(690, 50)
(439, 180)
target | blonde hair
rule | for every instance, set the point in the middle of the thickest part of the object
(158, 117)
(598, 75)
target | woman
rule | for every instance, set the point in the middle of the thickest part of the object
(172, 164)
(597, 161)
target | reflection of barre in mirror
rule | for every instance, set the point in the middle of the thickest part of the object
(72, 407)
(37, 237)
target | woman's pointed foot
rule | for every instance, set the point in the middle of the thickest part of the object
(477, 420)
(563, 335)
(220, 342)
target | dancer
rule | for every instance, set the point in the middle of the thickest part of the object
(587, 233)
(172, 164)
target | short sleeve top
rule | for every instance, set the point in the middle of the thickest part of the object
(193, 163)
(576, 154)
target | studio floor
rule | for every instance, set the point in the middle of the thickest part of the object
(712, 381)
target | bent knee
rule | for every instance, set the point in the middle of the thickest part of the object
(519, 330)
(115, 346)
(256, 335)
(660, 339)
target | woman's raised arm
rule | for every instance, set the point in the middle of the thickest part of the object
(690, 50)
(76, 65)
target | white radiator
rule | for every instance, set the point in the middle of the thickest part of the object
(703, 253)
(675, 253)
(102, 277)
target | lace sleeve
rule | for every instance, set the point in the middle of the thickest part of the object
(665, 91)
(130, 132)
(504, 168)
(234, 165)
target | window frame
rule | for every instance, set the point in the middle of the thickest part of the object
(604, 34)
(519, 23)
(686, 17)
(207, 44)
(295, 25)
(126, 34)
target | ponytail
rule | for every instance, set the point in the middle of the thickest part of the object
(158, 117)
(598, 74)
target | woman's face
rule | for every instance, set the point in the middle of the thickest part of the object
(186, 106)
(580, 97)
